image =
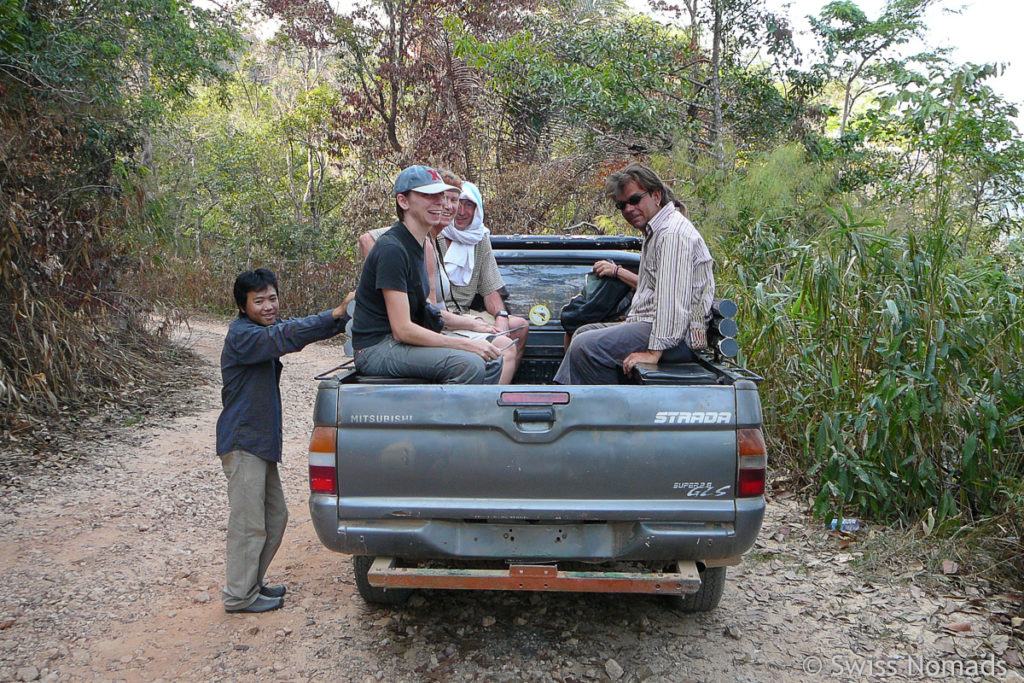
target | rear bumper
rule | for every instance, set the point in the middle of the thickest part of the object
(423, 539)
(679, 579)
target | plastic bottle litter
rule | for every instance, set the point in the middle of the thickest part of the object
(848, 525)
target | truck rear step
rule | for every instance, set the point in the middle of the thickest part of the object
(535, 577)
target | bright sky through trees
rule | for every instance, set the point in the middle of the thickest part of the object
(980, 31)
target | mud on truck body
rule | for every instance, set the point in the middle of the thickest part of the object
(653, 485)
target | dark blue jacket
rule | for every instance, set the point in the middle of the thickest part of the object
(249, 365)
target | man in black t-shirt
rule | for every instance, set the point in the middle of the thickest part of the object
(393, 330)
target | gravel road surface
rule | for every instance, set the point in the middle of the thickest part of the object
(113, 564)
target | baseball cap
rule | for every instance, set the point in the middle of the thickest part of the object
(422, 179)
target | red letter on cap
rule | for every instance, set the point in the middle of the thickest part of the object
(434, 175)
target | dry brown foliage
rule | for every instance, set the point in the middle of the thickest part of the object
(204, 283)
(532, 198)
(68, 338)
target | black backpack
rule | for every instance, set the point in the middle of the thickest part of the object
(602, 299)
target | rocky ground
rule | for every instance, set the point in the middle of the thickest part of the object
(113, 563)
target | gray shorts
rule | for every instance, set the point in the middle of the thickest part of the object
(392, 358)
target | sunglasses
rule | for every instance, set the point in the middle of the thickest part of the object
(632, 201)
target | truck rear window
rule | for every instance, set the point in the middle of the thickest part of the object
(530, 284)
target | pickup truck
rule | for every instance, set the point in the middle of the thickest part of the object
(652, 485)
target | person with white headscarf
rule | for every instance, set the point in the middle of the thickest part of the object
(473, 280)
(461, 255)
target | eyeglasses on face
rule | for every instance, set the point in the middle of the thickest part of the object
(632, 201)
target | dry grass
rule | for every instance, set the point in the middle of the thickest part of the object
(204, 283)
(989, 555)
(61, 365)
(548, 198)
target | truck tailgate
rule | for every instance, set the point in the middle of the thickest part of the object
(573, 453)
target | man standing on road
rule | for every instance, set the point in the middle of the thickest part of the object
(668, 317)
(249, 433)
(394, 331)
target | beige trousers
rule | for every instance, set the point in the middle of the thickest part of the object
(256, 522)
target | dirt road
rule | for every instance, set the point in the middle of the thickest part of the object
(112, 570)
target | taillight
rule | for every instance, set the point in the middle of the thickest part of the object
(750, 483)
(322, 473)
(321, 480)
(322, 440)
(753, 460)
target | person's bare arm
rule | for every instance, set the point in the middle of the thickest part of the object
(408, 332)
(343, 308)
(429, 253)
(609, 269)
(366, 242)
(494, 303)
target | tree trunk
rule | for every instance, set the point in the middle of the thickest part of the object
(462, 116)
(847, 104)
(150, 186)
(716, 90)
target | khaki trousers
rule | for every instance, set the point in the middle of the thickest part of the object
(258, 516)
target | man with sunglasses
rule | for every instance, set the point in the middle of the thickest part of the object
(668, 317)
(395, 332)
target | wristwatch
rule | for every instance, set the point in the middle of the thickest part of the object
(501, 314)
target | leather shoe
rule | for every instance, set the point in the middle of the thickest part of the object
(260, 604)
(276, 591)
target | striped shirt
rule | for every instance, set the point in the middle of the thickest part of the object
(676, 283)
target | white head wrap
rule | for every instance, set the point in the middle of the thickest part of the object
(461, 254)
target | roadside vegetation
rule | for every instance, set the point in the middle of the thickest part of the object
(863, 203)
(82, 88)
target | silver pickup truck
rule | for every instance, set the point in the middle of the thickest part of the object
(652, 485)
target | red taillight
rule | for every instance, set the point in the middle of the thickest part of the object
(322, 474)
(321, 480)
(750, 483)
(753, 460)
